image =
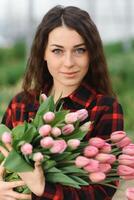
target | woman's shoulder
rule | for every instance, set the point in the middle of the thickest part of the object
(106, 99)
(23, 99)
(106, 102)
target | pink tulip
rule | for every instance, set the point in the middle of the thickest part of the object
(130, 193)
(112, 159)
(86, 126)
(104, 167)
(68, 129)
(45, 130)
(126, 160)
(56, 131)
(26, 149)
(43, 97)
(38, 156)
(124, 142)
(105, 158)
(93, 166)
(82, 114)
(128, 177)
(49, 117)
(71, 118)
(47, 142)
(124, 170)
(73, 143)
(97, 177)
(129, 149)
(59, 146)
(6, 137)
(81, 161)
(106, 148)
(90, 151)
(97, 142)
(117, 136)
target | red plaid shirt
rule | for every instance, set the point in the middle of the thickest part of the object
(104, 111)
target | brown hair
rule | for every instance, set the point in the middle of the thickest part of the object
(37, 73)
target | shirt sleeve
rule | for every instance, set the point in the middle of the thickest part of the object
(107, 117)
(7, 117)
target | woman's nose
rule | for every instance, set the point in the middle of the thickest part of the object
(68, 60)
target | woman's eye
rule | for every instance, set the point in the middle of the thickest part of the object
(57, 51)
(80, 50)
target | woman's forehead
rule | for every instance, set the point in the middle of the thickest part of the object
(64, 35)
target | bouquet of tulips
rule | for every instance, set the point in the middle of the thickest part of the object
(55, 137)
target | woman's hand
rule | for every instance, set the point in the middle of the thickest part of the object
(6, 189)
(35, 180)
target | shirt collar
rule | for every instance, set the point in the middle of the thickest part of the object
(83, 95)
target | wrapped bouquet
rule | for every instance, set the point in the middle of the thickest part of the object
(55, 138)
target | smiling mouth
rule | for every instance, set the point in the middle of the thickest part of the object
(69, 74)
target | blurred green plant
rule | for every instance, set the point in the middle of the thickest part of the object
(12, 63)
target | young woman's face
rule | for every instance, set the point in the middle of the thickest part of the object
(67, 57)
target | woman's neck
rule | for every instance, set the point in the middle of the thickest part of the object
(60, 92)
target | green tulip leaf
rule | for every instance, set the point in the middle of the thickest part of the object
(15, 163)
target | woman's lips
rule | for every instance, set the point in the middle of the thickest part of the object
(69, 74)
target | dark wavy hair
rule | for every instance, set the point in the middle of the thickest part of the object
(37, 74)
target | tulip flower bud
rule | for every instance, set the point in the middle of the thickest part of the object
(105, 158)
(43, 97)
(73, 143)
(47, 142)
(124, 142)
(45, 130)
(97, 142)
(86, 126)
(97, 177)
(26, 149)
(6, 137)
(49, 117)
(128, 160)
(124, 170)
(106, 148)
(71, 118)
(90, 151)
(56, 131)
(38, 156)
(104, 167)
(129, 149)
(82, 114)
(81, 161)
(59, 146)
(130, 193)
(68, 129)
(117, 136)
(93, 166)
(128, 177)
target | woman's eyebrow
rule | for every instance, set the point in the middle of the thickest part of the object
(78, 45)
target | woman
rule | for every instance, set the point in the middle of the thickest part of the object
(66, 60)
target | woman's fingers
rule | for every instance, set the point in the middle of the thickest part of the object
(4, 151)
(8, 146)
(14, 184)
(8, 198)
(20, 196)
(2, 170)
